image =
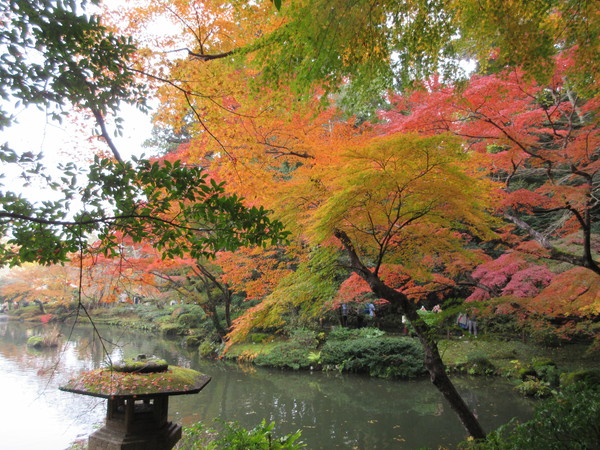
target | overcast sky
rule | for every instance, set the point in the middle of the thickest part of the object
(65, 142)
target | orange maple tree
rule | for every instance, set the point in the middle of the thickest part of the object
(43, 284)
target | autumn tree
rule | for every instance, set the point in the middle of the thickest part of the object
(407, 200)
(417, 204)
(125, 275)
(563, 301)
(377, 46)
(197, 282)
(42, 284)
(540, 141)
(402, 202)
(178, 206)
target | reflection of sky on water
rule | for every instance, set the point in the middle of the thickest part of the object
(332, 410)
(34, 413)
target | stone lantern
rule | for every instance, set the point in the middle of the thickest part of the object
(138, 402)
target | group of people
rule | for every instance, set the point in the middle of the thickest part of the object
(368, 311)
(467, 322)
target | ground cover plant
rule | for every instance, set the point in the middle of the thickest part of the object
(381, 357)
(233, 436)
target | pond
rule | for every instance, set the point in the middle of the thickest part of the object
(334, 411)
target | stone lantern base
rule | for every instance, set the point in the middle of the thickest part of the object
(133, 424)
(163, 439)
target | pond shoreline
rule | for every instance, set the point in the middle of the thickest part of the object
(471, 355)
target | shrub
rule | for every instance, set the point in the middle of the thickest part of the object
(234, 437)
(304, 338)
(189, 320)
(293, 354)
(389, 320)
(192, 341)
(589, 376)
(534, 388)
(151, 313)
(504, 325)
(568, 420)
(541, 362)
(381, 357)
(288, 355)
(63, 308)
(546, 336)
(370, 332)
(548, 374)
(259, 338)
(543, 370)
(171, 329)
(341, 334)
(27, 312)
(526, 373)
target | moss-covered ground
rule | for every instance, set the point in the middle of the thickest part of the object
(508, 355)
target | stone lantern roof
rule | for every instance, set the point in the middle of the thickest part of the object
(138, 393)
(137, 378)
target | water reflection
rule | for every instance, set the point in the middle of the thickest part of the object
(332, 410)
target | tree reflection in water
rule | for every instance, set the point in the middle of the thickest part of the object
(332, 410)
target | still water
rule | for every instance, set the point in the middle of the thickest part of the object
(333, 411)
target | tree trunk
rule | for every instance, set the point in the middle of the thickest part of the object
(216, 322)
(433, 360)
(227, 297)
(214, 315)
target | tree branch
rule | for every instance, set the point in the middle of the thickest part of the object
(204, 57)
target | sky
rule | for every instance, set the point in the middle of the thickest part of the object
(65, 142)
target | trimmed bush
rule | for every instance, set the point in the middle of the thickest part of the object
(341, 334)
(171, 329)
(286, 356)
(304, 338)
(27, 312)
(151, 313)
(380, 357)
